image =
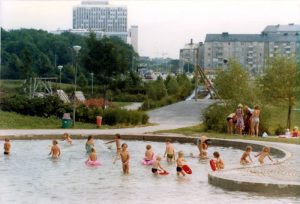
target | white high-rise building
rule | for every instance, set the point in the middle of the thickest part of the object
(133, 34)
(100, 17)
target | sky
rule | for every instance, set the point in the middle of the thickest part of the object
(165, 26)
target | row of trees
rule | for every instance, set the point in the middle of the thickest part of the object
(280, 84)
(29, 52)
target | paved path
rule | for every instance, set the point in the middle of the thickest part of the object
(182, 114)
(133, 106)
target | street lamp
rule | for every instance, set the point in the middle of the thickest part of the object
(92, 74)
(60, 68)
(76, 49)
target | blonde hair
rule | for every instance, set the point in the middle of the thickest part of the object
(248, 148)
(180, 154)
(148, 147)
(266, 149)
(158, 158)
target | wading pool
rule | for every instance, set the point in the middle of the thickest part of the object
(28, 175)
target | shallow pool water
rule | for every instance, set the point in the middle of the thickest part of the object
(28, 175)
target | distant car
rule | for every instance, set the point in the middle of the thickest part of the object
(148, 75)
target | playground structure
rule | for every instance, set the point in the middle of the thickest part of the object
(43, 86)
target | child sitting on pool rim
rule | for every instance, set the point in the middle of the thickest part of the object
(117, 140)
(125, 157)
(246, 154)
(55, 150)
(7, 146)
(180, 161)
(219, 163)
(157, 168)
(262, 155)
(149, 154)
(170, 152)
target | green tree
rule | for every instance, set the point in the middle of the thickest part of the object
(233, 84)
(280, 83)
(82, 81)
(172, 86)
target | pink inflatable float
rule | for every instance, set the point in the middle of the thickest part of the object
(93, 163)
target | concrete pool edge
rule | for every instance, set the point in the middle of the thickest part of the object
(214, 178)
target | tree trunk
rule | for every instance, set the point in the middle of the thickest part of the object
(288, 122)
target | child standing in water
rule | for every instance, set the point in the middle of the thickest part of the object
(149, 154)
(125, 157)
(203, 147)
(170, 152)
(55, 150)
(219, 163)
(89, 145)
(67, 138)
(93, 155)
(117, 140)
(157, 167)
(265, 153)
(7, 146)
(180, 162)
(246, 154)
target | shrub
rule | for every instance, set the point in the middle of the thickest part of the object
(214, 117)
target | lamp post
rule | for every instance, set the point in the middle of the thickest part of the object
(76, 49)
(92, 74)
(60, 68)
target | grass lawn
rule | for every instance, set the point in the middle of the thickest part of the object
(279, 116)
(11, 120)
(121, 104)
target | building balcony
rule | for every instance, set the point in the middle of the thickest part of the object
(250, 51)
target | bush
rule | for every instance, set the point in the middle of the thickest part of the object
(43, 107)
(214, 117)
(128, 97)
(280, 130)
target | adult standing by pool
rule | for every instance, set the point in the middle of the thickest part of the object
(239, 119)
(255, 121)
(89, 145)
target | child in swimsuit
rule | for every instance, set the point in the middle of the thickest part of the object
(55, 150)
(7, 146)
(265, 153)
(93, 155)
(117, 140)
(67, 138)
(170, 152)
(157, 168)
(203, 147)
(180, 162)
(219, 163)
(149, 154)
(246, 154)
(125, 157)
(89, 145)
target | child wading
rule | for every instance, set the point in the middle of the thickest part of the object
(246, 155)
(55, 150)
(219, 163)
(180, 161)
(7, 146)
(265, 153)
(157, 168)
(125, 157)
(117, 140)
(170, 152)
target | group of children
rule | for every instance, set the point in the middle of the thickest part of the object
(123, 154)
